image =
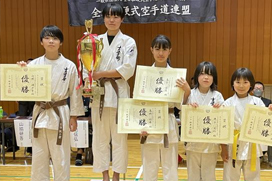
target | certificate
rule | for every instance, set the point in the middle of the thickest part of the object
(80, 138)
(158, 84)
(207, 124)
(135, 116)
(30, 83)
(257, 125)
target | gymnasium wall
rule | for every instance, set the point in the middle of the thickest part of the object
(241, 37)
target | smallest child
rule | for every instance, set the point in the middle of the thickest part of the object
(242, 82)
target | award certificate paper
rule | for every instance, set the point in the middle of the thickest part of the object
(135, 116)
(207, 124)
(257, 125)
(158, 84)
(80, 138)
(30, 83)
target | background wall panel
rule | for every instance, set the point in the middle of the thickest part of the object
(267, 41)
(240, 37)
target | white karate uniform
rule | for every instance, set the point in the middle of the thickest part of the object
(243, 158)
(154, 153)
(202, 157)
(120, 55)
(64, 81)
(264, 147)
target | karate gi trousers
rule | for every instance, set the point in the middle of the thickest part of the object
(104, 131)
(45, 147)
(153, 155)
(233, 174)
(201, 166)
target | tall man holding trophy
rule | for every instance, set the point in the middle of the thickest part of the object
(108, 82)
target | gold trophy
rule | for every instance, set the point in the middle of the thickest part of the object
(90, 55)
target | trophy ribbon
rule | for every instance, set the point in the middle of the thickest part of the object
(78, 58)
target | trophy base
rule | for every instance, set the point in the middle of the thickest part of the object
(87, 92)
(93, 91)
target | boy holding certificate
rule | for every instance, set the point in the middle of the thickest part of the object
(118, 60)
(53, 121)
(240, 156)
(161, 148)
(202, 157)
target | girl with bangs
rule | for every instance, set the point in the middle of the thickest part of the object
(242, 82)
(154, 146)
(202, 157)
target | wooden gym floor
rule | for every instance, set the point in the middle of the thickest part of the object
(20, 168)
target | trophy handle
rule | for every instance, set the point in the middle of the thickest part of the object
(100, 46)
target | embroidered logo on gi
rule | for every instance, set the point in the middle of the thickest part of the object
(131, 51)
(212, 103)
(118, 53)
(65, 74)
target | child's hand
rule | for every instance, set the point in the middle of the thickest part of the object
(182, 83)
(224, 153)
(270, 107)
(216, 105)
(195, 105)
(143, 133)
(73, 123)
(22, 63)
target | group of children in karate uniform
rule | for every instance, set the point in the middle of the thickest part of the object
(118, 63)
(202, 157)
